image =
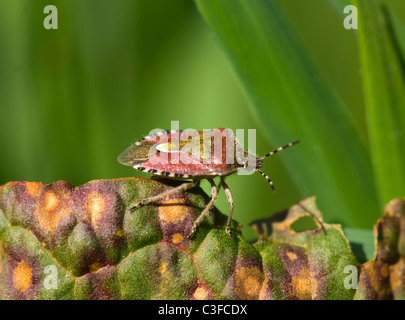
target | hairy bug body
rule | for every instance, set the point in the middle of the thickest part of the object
(194, 155)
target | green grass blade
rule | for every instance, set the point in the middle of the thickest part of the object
(384, 91)
(292, 101)
(339, 4)
(399, 30)
(362, 243)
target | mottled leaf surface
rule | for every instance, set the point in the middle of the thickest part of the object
(58, 241)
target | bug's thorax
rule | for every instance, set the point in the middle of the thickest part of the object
(249, 161)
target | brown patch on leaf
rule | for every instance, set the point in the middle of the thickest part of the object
(52, 205)
(248, 283)
(95, 205)
(175, 220)
(374, 280)
(22, 273)
(397, 279)
(98, 205)
(301, 284)
(33, 188)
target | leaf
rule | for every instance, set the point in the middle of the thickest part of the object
(98, 249)
(315, 259)
(384, 276)
(361, 240)
(339, 4)
(292, 101)
(398, 30)
(383, 69)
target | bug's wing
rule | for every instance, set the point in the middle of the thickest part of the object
(138, 153)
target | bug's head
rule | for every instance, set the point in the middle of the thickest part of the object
(258, 163)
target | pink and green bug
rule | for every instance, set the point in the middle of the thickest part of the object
(194, 156)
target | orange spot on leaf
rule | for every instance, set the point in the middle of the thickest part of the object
(50, 210)
(200, 293)
(384, 271)
(95, 205)
(173, 210)
(248, 283)
(22, 276)
(51, 202)
(301, 285)
(291, 255)
(119, 233)
(162, 267)
(33, 188)
(177, 238)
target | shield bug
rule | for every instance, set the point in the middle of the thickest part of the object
(194, 156)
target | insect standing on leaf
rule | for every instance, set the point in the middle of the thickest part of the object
(194, 155)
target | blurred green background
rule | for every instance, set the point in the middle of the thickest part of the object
(72, 99)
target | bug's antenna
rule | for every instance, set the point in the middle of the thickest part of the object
(267, 178)
(279, 149)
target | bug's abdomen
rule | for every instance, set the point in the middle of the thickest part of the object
(181, 165)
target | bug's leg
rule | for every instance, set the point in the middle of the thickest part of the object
(214, 195)
(181, 188)
(231, 204)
